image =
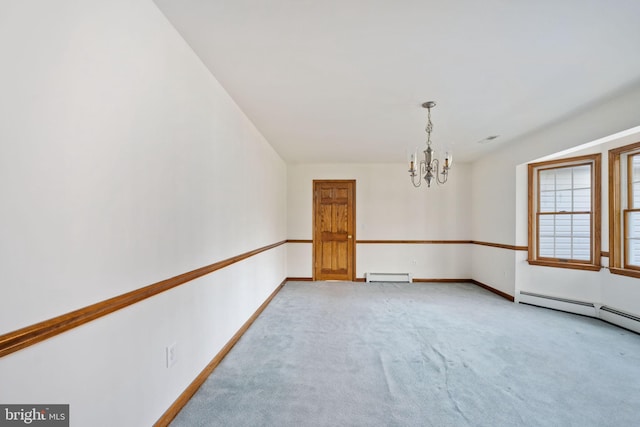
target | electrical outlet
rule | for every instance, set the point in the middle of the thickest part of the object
(172, 356)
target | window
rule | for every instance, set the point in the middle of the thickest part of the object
(564, 213)
(624, 210)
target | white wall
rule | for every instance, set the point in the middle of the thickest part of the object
(123, 162)
(424, 261)
(500, 206)
(388, 207)
(494, 266)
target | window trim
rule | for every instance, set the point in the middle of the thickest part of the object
(594, 160)
(618, 254)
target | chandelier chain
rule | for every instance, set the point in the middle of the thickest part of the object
(429, 127)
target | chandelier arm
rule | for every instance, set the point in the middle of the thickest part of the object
(445, 175)
(436, 167)
(413, 180)
(419, 174)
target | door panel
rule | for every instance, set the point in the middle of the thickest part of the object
(333, 237)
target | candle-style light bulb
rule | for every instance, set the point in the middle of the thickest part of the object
(448, 160)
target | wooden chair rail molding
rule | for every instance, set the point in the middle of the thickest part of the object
(27, 336)
(21, 338)
(427, 242)
(500, 245)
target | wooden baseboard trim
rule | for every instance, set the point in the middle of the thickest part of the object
(299, 279)
(182, 400)
(494, 290)
(416, 242)
(475, 282)
(25, 337)
(362, 279)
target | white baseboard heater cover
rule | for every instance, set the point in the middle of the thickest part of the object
(562, 304)
(389, 277)
(608, 314)
(620, 318)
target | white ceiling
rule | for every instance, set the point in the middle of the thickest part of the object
(343, 80)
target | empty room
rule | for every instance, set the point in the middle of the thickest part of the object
(331, 213)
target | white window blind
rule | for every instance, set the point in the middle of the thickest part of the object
(632, 215)
(564, 213)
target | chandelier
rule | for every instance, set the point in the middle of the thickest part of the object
(428, 167)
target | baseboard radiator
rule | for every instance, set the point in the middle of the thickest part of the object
(620, 318)
(563, 304)
(389, 277)
(606, 313)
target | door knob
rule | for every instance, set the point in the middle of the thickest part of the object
(349, 236)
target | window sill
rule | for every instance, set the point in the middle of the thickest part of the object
(624, 272)
(571, 265)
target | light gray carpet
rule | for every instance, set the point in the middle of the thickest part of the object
(422, 354)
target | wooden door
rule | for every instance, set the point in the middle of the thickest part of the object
(333, 230)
